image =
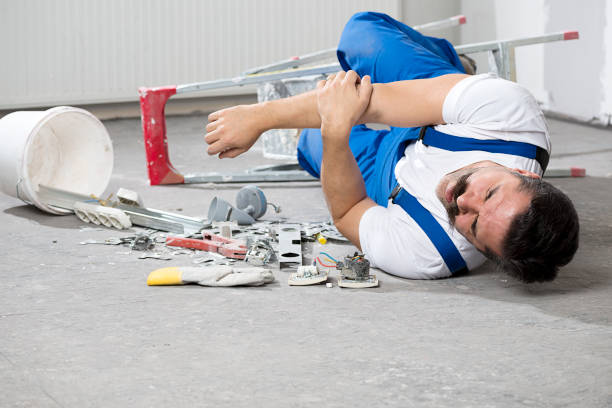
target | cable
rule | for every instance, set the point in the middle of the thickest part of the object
(329, 256)
(330, 261)
(322, 264)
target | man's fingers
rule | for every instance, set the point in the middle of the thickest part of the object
(340, 76)
(231, 153)
(351, 77)
(212, 126)
(214, 116)
(211, 137)
(214, 134)
(216, 147)
(321, 84)
(366, 86)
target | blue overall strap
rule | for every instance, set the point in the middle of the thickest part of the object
(445, 246)
(431, 137)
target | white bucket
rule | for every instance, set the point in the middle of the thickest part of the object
(63, 147)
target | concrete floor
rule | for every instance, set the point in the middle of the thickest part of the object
(80, 327)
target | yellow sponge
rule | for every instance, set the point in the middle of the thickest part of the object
(165, 276)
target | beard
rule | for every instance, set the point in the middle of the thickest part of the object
(451, 208)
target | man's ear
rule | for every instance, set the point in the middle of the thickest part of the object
(527, 173)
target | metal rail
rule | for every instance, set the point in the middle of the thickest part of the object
(294, 62)
(517, 42)
(257, 78)
(282, 172)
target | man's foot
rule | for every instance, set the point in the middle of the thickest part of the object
(469, 65)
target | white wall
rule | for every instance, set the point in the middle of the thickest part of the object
(414, 12)
(605, 111)
(573, 78)
(96, 51)
(516, 19)
(76, 51)
(481, 26)
(574, 69)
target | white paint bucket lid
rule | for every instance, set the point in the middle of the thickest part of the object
(63, 147)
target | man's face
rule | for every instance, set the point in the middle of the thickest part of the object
(482, 202)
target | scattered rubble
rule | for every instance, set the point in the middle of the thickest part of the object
(227, 240)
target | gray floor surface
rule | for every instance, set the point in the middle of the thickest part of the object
(79, 327)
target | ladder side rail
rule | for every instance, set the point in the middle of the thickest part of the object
(294, 62)
(257, 79)
(517, 42)
(453, 21)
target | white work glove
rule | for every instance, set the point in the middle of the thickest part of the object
(224, 275)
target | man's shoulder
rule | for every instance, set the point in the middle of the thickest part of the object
(395, 243)
(488, 107)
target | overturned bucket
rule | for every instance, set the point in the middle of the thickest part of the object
(63, 147)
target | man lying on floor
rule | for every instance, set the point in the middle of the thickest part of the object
(457, 178)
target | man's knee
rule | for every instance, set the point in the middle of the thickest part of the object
(368, 17)
(361, 38)
(363, 22)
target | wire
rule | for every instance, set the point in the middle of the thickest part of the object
(329, 256)
(330, 261)
(322, 264)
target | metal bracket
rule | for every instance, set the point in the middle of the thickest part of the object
(280, 172)
(290, 244)
(144, 217)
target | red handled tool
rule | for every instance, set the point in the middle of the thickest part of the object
(231, 248)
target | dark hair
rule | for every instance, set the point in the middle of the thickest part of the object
(541, 239)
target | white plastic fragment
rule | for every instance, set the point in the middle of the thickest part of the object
(129, 197)
(225, 227)
(155, 255)
(97, 214)
(307, 275)
(329, 285)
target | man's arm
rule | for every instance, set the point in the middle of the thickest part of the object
(341, 106)
(341, 103)
(232, 131)
(411, 103)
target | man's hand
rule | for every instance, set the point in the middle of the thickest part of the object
(341, 100)
(232, 131)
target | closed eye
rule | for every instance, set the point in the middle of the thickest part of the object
(490, 193)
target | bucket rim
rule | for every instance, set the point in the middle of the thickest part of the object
(25, 179)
